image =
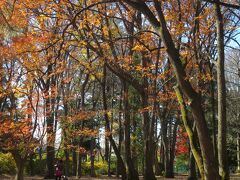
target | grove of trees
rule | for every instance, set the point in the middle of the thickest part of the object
(124, 88)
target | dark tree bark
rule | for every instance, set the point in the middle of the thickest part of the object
(134, 142)
(92, 157)
(165, 144)
(65, 138)
(194, 171)
(120, 135)
(93, 139)
(107, 125)
(109, 161)
(66, 152)
(132, 173)
(162, 157)
(192, 167)
(148, 142)
(50, 140)
(164, 149)
(74, 161)
(79, 163)
(31, 164)
(106, 154)
(20, 162)
(82, 108)
(46, 87)
(148, 129)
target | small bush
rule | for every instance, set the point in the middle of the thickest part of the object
(7, 164)
(181, 163)
(100, 167)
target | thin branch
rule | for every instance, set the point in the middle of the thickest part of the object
(224, 4)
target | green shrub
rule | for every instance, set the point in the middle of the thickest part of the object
(7, 164)
(100, 167)
(181, 163)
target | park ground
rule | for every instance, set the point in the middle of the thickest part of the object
(177, 177)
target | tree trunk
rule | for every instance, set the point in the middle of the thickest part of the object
(134, 142)
(74, 162)
(120, 135)
(157, 164)
(49, 122)
(106, 154)
(172, 149)
(20, 171)
(118, 155)
(238, 152)
(31, 164)
(65, 138)
(109, 161)
(189, 131)
(107, 126)
(20, 162)
(192, 168)
(165, 148)
(79, 165)
(119, 170)
(50, 140)
(132, 173)
(214, 119)
(50, 161)
(92, 156)
(148, 127)
(156, 148)
(222, 123)
(66, 162)
(148, 142)
(162, 154)
(238, 146)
